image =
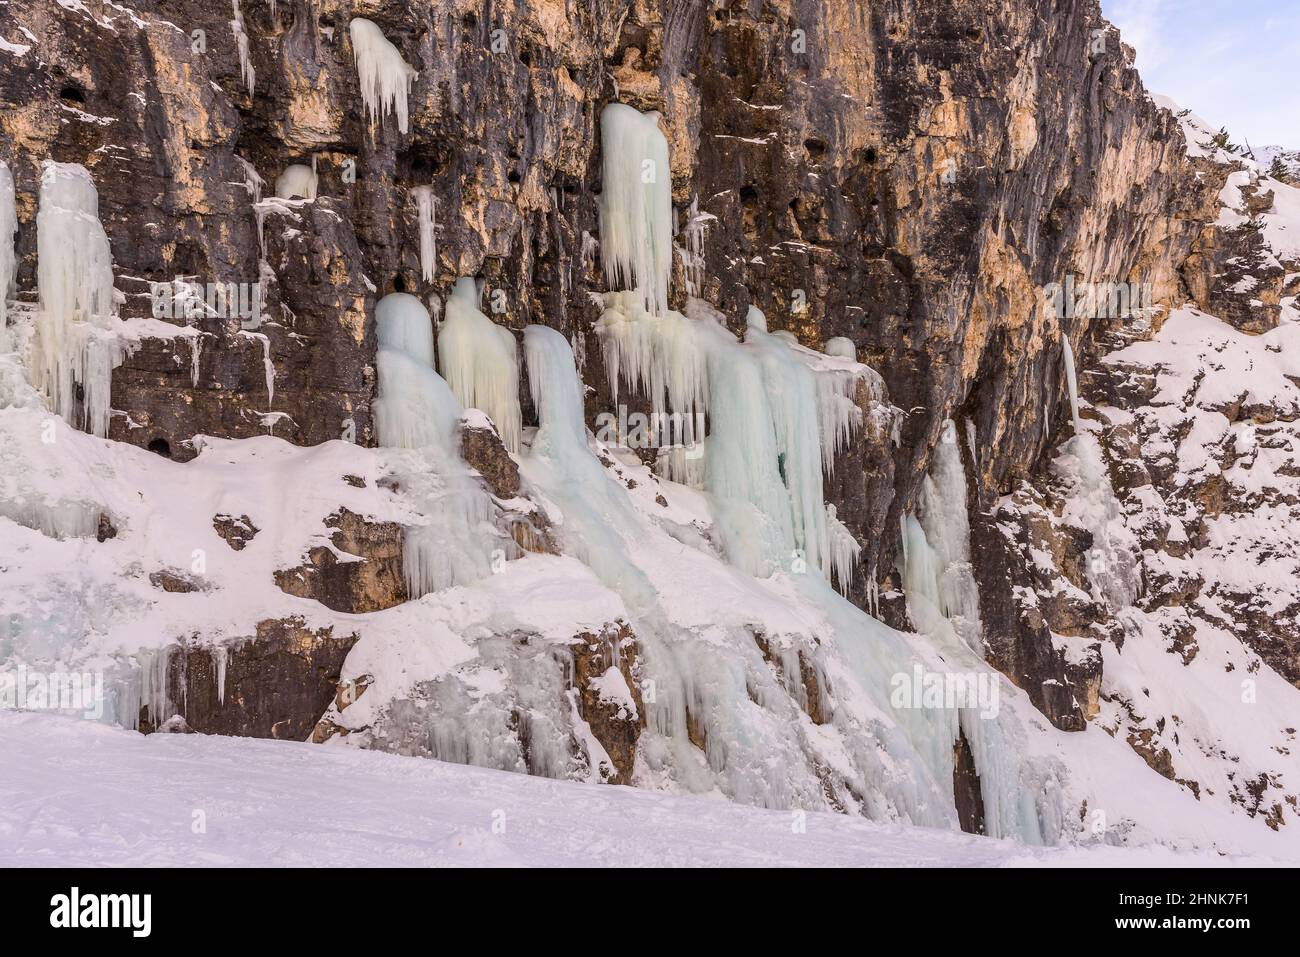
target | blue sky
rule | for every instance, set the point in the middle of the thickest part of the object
(1236, 63)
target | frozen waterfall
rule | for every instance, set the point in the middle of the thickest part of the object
(75, 347)
(415, 410)
(636, 205)
(480, 361)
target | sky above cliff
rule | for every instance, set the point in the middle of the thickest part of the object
(1234, 62)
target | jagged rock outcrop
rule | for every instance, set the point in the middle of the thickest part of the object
(606, 680)
(370, 578)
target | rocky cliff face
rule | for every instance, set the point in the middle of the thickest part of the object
(911, 176)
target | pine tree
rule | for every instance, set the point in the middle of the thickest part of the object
(1221, 141)
(1279, 171)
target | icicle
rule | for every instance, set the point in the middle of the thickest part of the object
(636, 205)
(743, 466)
(196, 347)
(590, 247)
(838, 379)
(921, 578)
(784, 413)
(384, 76)
(268, 367)
(415, 407)
(555, 388)
(220, 655)
(428, 239)
(74, 345)
(296, 182)
(946, 528)
(873, 594)
(844, 550)
(693, 249)
(903, 769)
(1072, 383)
(683, 464)
(660, 355)
(153, 686)
(241, 43)
(792, 391)
(8, 228)
(479, 360)
(252, 181)
(402, 323)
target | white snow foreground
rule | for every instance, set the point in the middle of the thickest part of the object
(79, 794)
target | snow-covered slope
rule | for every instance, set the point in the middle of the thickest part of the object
(1183, 482)
(78, 794)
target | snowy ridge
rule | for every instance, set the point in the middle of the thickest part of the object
(1281, 217)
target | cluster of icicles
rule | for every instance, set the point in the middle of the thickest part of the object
(75, 345)
(777, 416)
(902, 768)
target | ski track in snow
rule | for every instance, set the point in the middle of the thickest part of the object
(75, 793)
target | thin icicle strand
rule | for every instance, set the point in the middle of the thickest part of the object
(8, 228)
(428, 239)
(241, 44)
(1071, 381)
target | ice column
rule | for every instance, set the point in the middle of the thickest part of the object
(74, 346)
(944, 575)
(479, 360)
(428, 240)
(8, 227)
(636, 207)
(415, 410)
(1067, 356)
(792, 401)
